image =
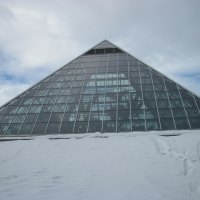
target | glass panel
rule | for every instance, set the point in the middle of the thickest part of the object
(80, 127)
(167, 124)
(123, 115)
(67, 127)
(124, 126)
(31, 117)
(26, 128)
(95, 126)
(138, 125)
(39, 128)
(43, 117)
(194, 122)
(13, 129)
(53, 128)
(165, 113)
(6, 118)
(152, 124)
(3, 128)
(178, 113)
(56, 117)
(109, 126)
(137, 114)
(18, 118)
(181, 123)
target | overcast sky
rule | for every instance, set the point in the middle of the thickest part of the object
(39, 36)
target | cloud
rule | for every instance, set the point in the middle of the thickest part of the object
(37, 37)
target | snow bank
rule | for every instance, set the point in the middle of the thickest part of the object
(142, 166)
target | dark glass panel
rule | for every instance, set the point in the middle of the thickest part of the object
(110, 115)
(173, 95)
(165, 113)
(80, 127)
(3, 109)
(65, 91)
(39, 128)
(148, 95)
(192, 112)
(167, 124)
(53, 128)
(171, 87)
(35, 109)
(59, 108)
(157, 79)
(47, 108)
(123, 96)
(124, 115)
(69, 117)
(62, 99)
(152, 124)
(176, 103)
(145, 73)
(178, 113)
(194, 122)
(31, 92)
(189, 103)
(109, 126)
(138, 114)
(198, 102)
(50, 100)
(133, 74)
(76, 91)
(161, 95)
(122, 105)
(122, 67)
(67, 127)
(95, 126)
(38, 100)
(137, 104)
(134, 80)
(53, 92)
(124, 126)
(31, 117)
(85, 106)
(11, 110)
(45, 85)
(43, 117)
(72, 107)
(7, 118)
(159, 87)
(186, 95)
(3, 128)
(145, 80)
(151, 114)
(138, 125)
(66, 84)
(86, 98)
(182, 123)
(13, 129)
(150, 103)
(26, 128)
(56, 117)
(19, 118)
(148, 88)
(96, 116)
(16, 101)
(42, 92)
(23, 109)
(82, 116)
(163, 103)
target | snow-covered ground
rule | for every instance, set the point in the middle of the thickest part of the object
(141, 166)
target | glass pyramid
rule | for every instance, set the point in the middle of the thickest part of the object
(103, 90)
